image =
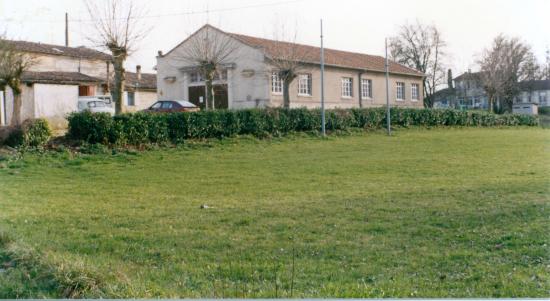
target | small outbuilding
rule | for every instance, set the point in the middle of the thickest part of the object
(528, 108)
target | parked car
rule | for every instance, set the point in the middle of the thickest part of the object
(95, 105)
(168, 106)
(106, 98)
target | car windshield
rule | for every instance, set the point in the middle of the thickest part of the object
(156, 105)
(96, 104)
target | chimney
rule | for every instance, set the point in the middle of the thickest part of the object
(138, 72)
(450, 78)
(160, 53)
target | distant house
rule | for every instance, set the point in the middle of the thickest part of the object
(141, 90)
(466, 93)
(534, 91)
(250, 80)
(60, 75)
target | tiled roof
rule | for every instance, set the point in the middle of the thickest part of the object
(312, 54)
(444, 93)
(76, 52)
(535, 85)
(148, 80)
(333, 57)
(469, 75)
(62, 78)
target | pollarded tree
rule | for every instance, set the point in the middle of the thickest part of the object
(209, 51)
(288, 59)
(12, 65)
(421, 47)
(117, 28)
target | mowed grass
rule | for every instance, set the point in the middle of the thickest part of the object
(424, 213)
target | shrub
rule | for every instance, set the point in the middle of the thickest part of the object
(32, 133)
(90, 127)
(544, 110)
(144, 128)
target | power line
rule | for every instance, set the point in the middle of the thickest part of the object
(207, 11)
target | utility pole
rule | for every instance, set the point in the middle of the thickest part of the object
(388, 120)
(322, 83)
(66, 30)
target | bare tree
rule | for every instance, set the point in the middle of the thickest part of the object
(546, 70)
(12, 65)
(421, 47)
(209, 51)
(119, 30)
(288, 59)
(507, 62)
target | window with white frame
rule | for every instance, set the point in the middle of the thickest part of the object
(542, 98)
(196, 77)
(276, 83)
(347, 87)
(366, 88)
(304, 84)
(415, 92)
(221, 75)
(400, 91)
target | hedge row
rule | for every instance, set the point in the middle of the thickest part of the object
(143, 128)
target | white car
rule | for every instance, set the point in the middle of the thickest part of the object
(95, 105)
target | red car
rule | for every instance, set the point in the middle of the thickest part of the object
(169, 106)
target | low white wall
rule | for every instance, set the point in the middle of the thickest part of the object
(142, 100)
(54, 102)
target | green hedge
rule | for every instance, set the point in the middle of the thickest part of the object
(544, 110)
(144, 128)
(33, 133)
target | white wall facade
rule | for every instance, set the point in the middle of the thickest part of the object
(55, 100)
(540, 97)
(95, 68)
(247, 80)
(142, 100)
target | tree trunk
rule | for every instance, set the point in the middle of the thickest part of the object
(118, 85)
(16, 118)
(427, 97)
(209, 94)
(286, 94)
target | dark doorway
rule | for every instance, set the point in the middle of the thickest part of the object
(199, 92)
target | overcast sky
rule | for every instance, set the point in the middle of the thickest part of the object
(354, 25)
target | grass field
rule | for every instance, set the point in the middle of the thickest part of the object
(425, 213)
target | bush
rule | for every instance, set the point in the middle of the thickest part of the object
(144, 128)
(544, 110)
(91, 127)
(33, 133)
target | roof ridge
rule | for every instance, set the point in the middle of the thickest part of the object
(53, 45)
(306, 45)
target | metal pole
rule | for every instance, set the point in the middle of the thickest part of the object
(66, 30)
(322, 83)
(388, 121)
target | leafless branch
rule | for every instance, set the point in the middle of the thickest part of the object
(421, 47)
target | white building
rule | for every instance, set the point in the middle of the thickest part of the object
(534, 91)
(249, 79)
(60, 75)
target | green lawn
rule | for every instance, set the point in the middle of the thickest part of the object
(425, 213)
